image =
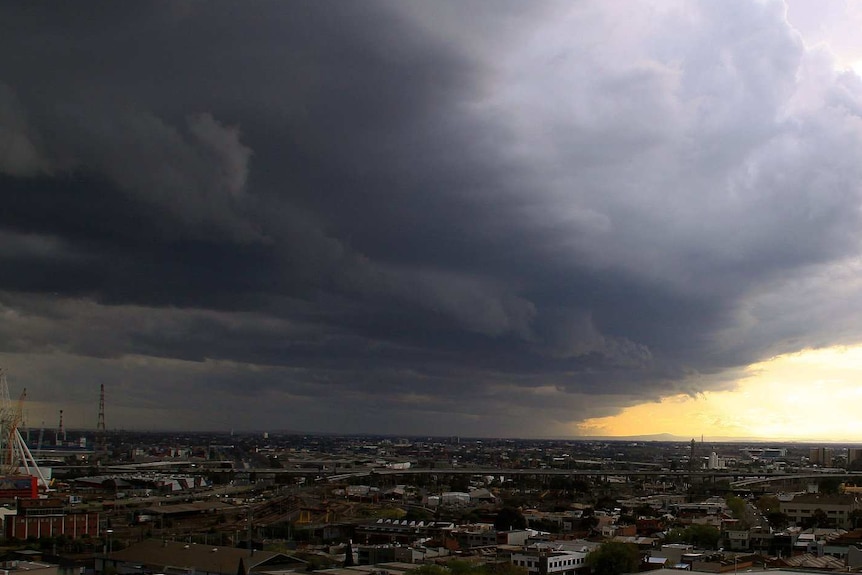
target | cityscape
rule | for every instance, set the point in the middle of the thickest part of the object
(430, 287)
(153, 502)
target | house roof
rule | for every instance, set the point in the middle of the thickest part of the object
(202, 558)
(810, 561)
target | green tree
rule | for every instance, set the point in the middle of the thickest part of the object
(818, 518)
(509, 518)
(778, 519)
(418, 514)
(676, 535)
(768, 503)
(705, 536)
(736, 506)
(701, 535)
(545, 525)
(614, 558)
(461, 567)
(645, 511)
(429, 570)
(829, 485)
(588, 522)
(502, 569)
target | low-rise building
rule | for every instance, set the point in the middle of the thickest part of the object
(29, 567)
(836, 509)
(41, 518)
(550, 562)
(161, 556)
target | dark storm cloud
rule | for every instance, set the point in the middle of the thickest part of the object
(415, 216)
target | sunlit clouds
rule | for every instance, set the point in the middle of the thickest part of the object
(809, 395)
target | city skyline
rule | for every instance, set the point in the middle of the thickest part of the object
(484, 219)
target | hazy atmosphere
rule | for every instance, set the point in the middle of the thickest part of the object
(445, 218)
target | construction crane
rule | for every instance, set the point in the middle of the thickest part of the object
(16, 415)
(16, 456)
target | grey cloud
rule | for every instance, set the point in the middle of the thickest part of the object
(421, 216)
(19, 152)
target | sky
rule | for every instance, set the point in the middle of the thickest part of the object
(476, 218)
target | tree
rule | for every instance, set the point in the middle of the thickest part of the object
(614, 558)
(502, 569)
(588, 522)
(705, 536)
(768, 503)
(460, 567)
(645, 511)
(348, 554)
(736, 506)
(545, 525)
(818, 518)
(605, 502)
(429, 570)
(701, 535)
(829, 485)
(509, 518)
(418, 514)
(778, 519)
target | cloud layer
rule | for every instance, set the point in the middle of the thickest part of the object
(436, 218)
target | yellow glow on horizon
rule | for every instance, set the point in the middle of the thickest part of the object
(813, 394)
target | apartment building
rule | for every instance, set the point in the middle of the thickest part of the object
(803, 509)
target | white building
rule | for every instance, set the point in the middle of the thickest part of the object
(551, 562)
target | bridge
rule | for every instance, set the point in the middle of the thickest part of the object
(738, 478)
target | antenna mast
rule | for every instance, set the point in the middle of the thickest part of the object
(101, 446)
(61, 432)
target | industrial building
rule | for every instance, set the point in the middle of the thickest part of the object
(48, 518)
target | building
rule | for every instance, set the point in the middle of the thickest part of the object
(821, 456)
(764, 453)
(402, 531)
(374, 554)
(48, 518)
(805, 509)
(161, 556)
(19, 487)
(712, 506)
(34, 566)
(548, 562)
(737, 539)
(673, 552)
(716, 462)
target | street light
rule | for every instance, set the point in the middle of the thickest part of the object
(110, 540)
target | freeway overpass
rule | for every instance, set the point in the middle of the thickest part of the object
(740, 478)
